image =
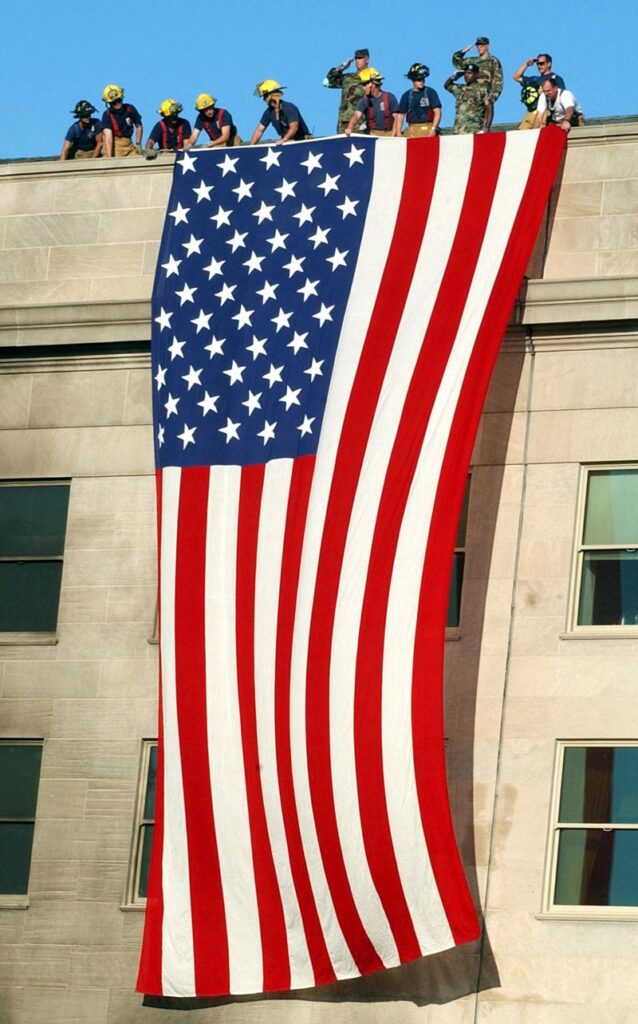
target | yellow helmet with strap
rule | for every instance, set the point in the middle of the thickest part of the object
(368, 75)
(112, 93)
(204, 101)
(268, 86)
(169, 108)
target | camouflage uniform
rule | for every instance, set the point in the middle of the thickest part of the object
(490, 72)
(472, 99)
(351, 92)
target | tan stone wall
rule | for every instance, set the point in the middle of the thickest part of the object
(77, 251)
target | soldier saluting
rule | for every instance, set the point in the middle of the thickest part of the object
(350, 85)
(473, 107)
(490, 69)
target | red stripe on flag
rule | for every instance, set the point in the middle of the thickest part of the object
(298, 498)
(149, 979)
(207, 903)
(274, 942)
(427, 710)
(406, 449)
(418, 183)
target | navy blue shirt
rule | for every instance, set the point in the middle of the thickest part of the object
(82, 136)
(169, 136)
(213, 125)
(418, 105)
(538, 80)
(121, 121)
(374, 108)
(288, 113)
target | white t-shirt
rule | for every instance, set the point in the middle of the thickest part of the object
(557, 108)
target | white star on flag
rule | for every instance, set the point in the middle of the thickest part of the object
(188, 435)
(304, 215)
(325, 313)
(192, 377)
(320, 237)
(244, 317)
(180, 214)
(244, 190)
(235, 374)
(267, 292)
(291, 397)
(216, 347)
(202, 321)
(354, 156)
(274, 375)
(187, 163)
(227, 166)
(192, 245)
(237, 241)
(314, 370)
(175, 349)
(253, 262)
(257, 347)
(281, 320)
(160, 377)
(294, 265)
(227, 293)
(171, 405)
(208, 403)
(272, 158)
(312, 162)
(186, 294)
(222, 217)
(278, 241)
(264, 212)
(338, 259)
(171, 266)
(203, 191)
(298, 342)
(268, 432)
(164, 319)
(287, 188)
(306, 426)
(214, 267)
(329, 183)
(348, 207)
(230, 430)
(308, 289)
(252, 402)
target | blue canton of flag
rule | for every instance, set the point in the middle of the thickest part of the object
(256, 264)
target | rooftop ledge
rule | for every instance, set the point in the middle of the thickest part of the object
(598, 130)
(542, 306)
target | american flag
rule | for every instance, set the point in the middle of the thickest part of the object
(326, 316)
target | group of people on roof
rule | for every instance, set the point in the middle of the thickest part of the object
(365, 107)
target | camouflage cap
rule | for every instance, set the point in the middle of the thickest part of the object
(482, 39)
(472, 67)
(361, 53)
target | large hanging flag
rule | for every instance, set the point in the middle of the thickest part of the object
(326, 316)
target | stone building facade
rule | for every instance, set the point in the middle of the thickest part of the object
(535, 681)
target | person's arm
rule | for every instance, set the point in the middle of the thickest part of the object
(518, 74)
(353, 122)
(496, 85)
(223, 138)
(489, 114)
(334, 78)
(540, 110)
(450, 83)
(108, 142)
(193, 138)
(291, 131)
(66, 146)
(436, 120)
(397, 124)
(98, 144)
(139, 131)
(458, 57)
(257, 134)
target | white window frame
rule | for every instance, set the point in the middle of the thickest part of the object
(131, 900)
(568, 912)
(573, 629)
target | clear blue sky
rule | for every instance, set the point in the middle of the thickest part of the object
(58, 52)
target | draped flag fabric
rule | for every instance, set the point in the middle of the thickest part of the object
(326, 317)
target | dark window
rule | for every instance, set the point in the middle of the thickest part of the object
(608, 553)
(19, 778)
(32, 532)
(597, 828)
(144, 825)
(456, 583)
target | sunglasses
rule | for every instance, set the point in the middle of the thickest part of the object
(541, 63)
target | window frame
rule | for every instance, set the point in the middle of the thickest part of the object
(131, 900)
(576, 912)
(20, 901)
(454, 632)
(573, 628)
(34, 637)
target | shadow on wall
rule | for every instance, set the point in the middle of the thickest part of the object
(470, 969)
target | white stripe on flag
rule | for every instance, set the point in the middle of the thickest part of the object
(375, 243)
(178, 961)
(272, 524)
(228, 785)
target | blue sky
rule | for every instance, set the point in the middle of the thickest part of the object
(64, 51)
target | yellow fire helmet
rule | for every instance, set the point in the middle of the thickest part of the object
(268, 86)
(168, 108)
(204, 101)
(112, 93)
(370, 75)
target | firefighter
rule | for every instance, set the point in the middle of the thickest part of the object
(215, 121)
(119, 121)
(420, 105)
(285, 117)
(84, 138)
(173, 131)
(380, 108)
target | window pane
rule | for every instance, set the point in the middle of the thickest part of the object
(460, 537)
(19, 777)
(600, 784)
(611, 514)
(145, 859)
(16, 841)
(456, 585)
(33, 519)
(151, 780)
(597, 868)
(29, 596)
(609, 589)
